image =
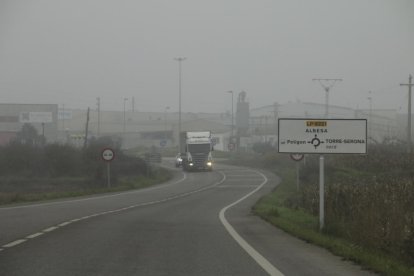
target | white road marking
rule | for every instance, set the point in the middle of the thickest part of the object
(14, 243)
(64, 223)
(50, 229)
(237, 186)
(32, 236)
(262, 261)
(95, 197)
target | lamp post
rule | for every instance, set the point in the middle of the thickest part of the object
(165, 119)
(124, 122)
(180, 60)
(370, 116)
(410, 85)
(232, 113)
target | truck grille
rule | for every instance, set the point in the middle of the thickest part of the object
(200, 159)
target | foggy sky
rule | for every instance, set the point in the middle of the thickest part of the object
(70, 52)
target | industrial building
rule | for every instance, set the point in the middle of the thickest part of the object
(43, 117)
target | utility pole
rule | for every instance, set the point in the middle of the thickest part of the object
(370, 116)
(98, 105)
(63, 118)
(133, 104)
(180, 60)
(327, 84)
(409, 84)
(124, 121)
(275, 115)
(232, 113)
(85, 142)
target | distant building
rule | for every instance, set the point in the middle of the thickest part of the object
(251, 125)
(382, 123)
(41, 116)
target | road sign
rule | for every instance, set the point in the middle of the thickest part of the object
(108, 155)
(163, 143)
(297, 156)
(322, 136)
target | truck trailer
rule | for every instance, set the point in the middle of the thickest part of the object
(197, 148)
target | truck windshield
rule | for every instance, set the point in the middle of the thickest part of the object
(199, 148)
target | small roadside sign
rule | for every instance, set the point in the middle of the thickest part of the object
(108, 155)
(297, 157)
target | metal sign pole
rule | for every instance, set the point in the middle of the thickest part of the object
(297, 175)
(108, 155)
(321, 192)
(108, 175)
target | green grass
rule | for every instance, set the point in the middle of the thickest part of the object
(305, 226)
(124, 184)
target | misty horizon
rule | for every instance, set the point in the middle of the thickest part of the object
(71, 52)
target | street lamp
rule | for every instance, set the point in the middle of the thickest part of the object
(124, 124)
(410, 85)
(180, 60)
(370, 116)
(232, 113)
(165, 119)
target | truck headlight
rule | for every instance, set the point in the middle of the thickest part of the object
(191, 164)
(209, 164)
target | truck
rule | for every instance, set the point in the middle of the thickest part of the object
(197, 148)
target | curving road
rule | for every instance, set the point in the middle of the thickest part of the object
(196, 224)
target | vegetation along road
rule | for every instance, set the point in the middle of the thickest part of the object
(194, 224)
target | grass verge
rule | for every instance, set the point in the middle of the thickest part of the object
(305, 226)
(45, 192)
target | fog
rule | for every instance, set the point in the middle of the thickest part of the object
(71, 52)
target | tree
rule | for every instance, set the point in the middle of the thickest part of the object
(28, 135)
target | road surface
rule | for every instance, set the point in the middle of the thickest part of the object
(196, 224)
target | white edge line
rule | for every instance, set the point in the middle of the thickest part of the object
(32, 236)
(262, 261)
(64, 223)
(50, 229)
(16, 242)
(96, 196)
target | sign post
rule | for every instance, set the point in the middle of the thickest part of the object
(322, 136)
(108, 155)
(297, 158)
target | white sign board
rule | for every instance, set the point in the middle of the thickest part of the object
(36, 117)
(323, 136)
(64, 114)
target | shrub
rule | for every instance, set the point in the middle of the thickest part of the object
(369, 199)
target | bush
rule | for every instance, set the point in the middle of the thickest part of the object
(56, 160)
(369, 200)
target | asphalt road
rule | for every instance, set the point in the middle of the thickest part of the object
(196, 224)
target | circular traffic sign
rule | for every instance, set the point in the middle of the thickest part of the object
(297, 156)
(108, 154)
